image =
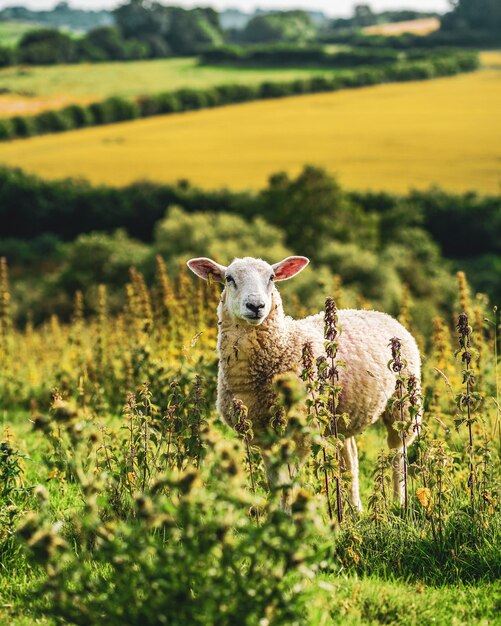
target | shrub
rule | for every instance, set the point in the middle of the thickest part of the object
(23, 126)
(275, 90)
(46, 47)
(114, 109)
(78, 116)
(168, 102)
(51, 122)
(6, 130)
(228, 94)
(192, 99)
(7, 56)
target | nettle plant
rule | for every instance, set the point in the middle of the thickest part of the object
(186, 552)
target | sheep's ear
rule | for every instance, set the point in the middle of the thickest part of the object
(204, 268)
(289, 267)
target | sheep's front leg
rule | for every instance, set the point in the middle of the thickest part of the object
(349, 456)
(279, 477)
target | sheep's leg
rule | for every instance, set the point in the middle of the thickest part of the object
(394, 440)
(282, 475)
(279, 476)
(349, 456)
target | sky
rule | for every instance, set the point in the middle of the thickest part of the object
(331, 7)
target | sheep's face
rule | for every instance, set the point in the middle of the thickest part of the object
(249, 283)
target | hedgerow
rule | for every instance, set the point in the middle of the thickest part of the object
(118, 109)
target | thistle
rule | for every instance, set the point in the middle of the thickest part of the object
(308, 376)
(243, 426)
(467, 401)
(397, 364)
(330, 375)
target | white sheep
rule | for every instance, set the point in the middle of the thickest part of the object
(257, 342)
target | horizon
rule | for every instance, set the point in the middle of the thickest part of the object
(343, 7)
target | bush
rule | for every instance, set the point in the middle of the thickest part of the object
(114, 109)
(51, 122)
(229, 94)
(192, 99)
(47, 47)
(23, 126)
(296, 56)
(275, 90)
(7, 56)
(6, 130)
(416, 70)
(158, 104)
(78, 116)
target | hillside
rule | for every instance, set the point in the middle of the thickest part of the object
(389, 137)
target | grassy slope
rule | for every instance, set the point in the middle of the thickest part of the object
(11, 32)
(335, 599)
(396, 136)
(39, 88)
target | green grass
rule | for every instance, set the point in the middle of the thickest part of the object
(99, 80)
(12, 32)
(369, 601)
(338, 598)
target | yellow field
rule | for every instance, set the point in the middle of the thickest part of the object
(423, 26)
(392, 137)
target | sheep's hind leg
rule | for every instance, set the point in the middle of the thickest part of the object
(349, 456)
(394, 440)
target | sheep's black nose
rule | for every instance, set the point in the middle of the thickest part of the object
(254, 307)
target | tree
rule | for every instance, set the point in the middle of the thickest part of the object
(47, 46)
(282, 27)
(313, 208)
(474, 15)
(166, 29)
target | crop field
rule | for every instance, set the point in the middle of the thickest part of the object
(391, 137)
(33, 89)
(423, 26)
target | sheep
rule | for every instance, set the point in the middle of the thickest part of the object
(257, 342)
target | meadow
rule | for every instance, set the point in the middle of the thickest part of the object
(12, 32)
(34, 89)
(390, 137)
(124, 498)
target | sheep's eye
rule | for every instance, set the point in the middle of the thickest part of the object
(272, 278)
(230, 279)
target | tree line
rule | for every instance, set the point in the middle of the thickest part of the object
(369, 239)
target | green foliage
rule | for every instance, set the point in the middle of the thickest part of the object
(296, 56)
(279, 27)
(191, 556)
(113, 109)
(218, 235)
(7, 56)
(51, 122)
(99, 258)
(169, 29)
(6, 130)
(475, 15)
(45, 47)
(78, 116)
(375, 243)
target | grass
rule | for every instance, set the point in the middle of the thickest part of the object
(12, 32)
(390, 137)
(364, 578)
(40, 88)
